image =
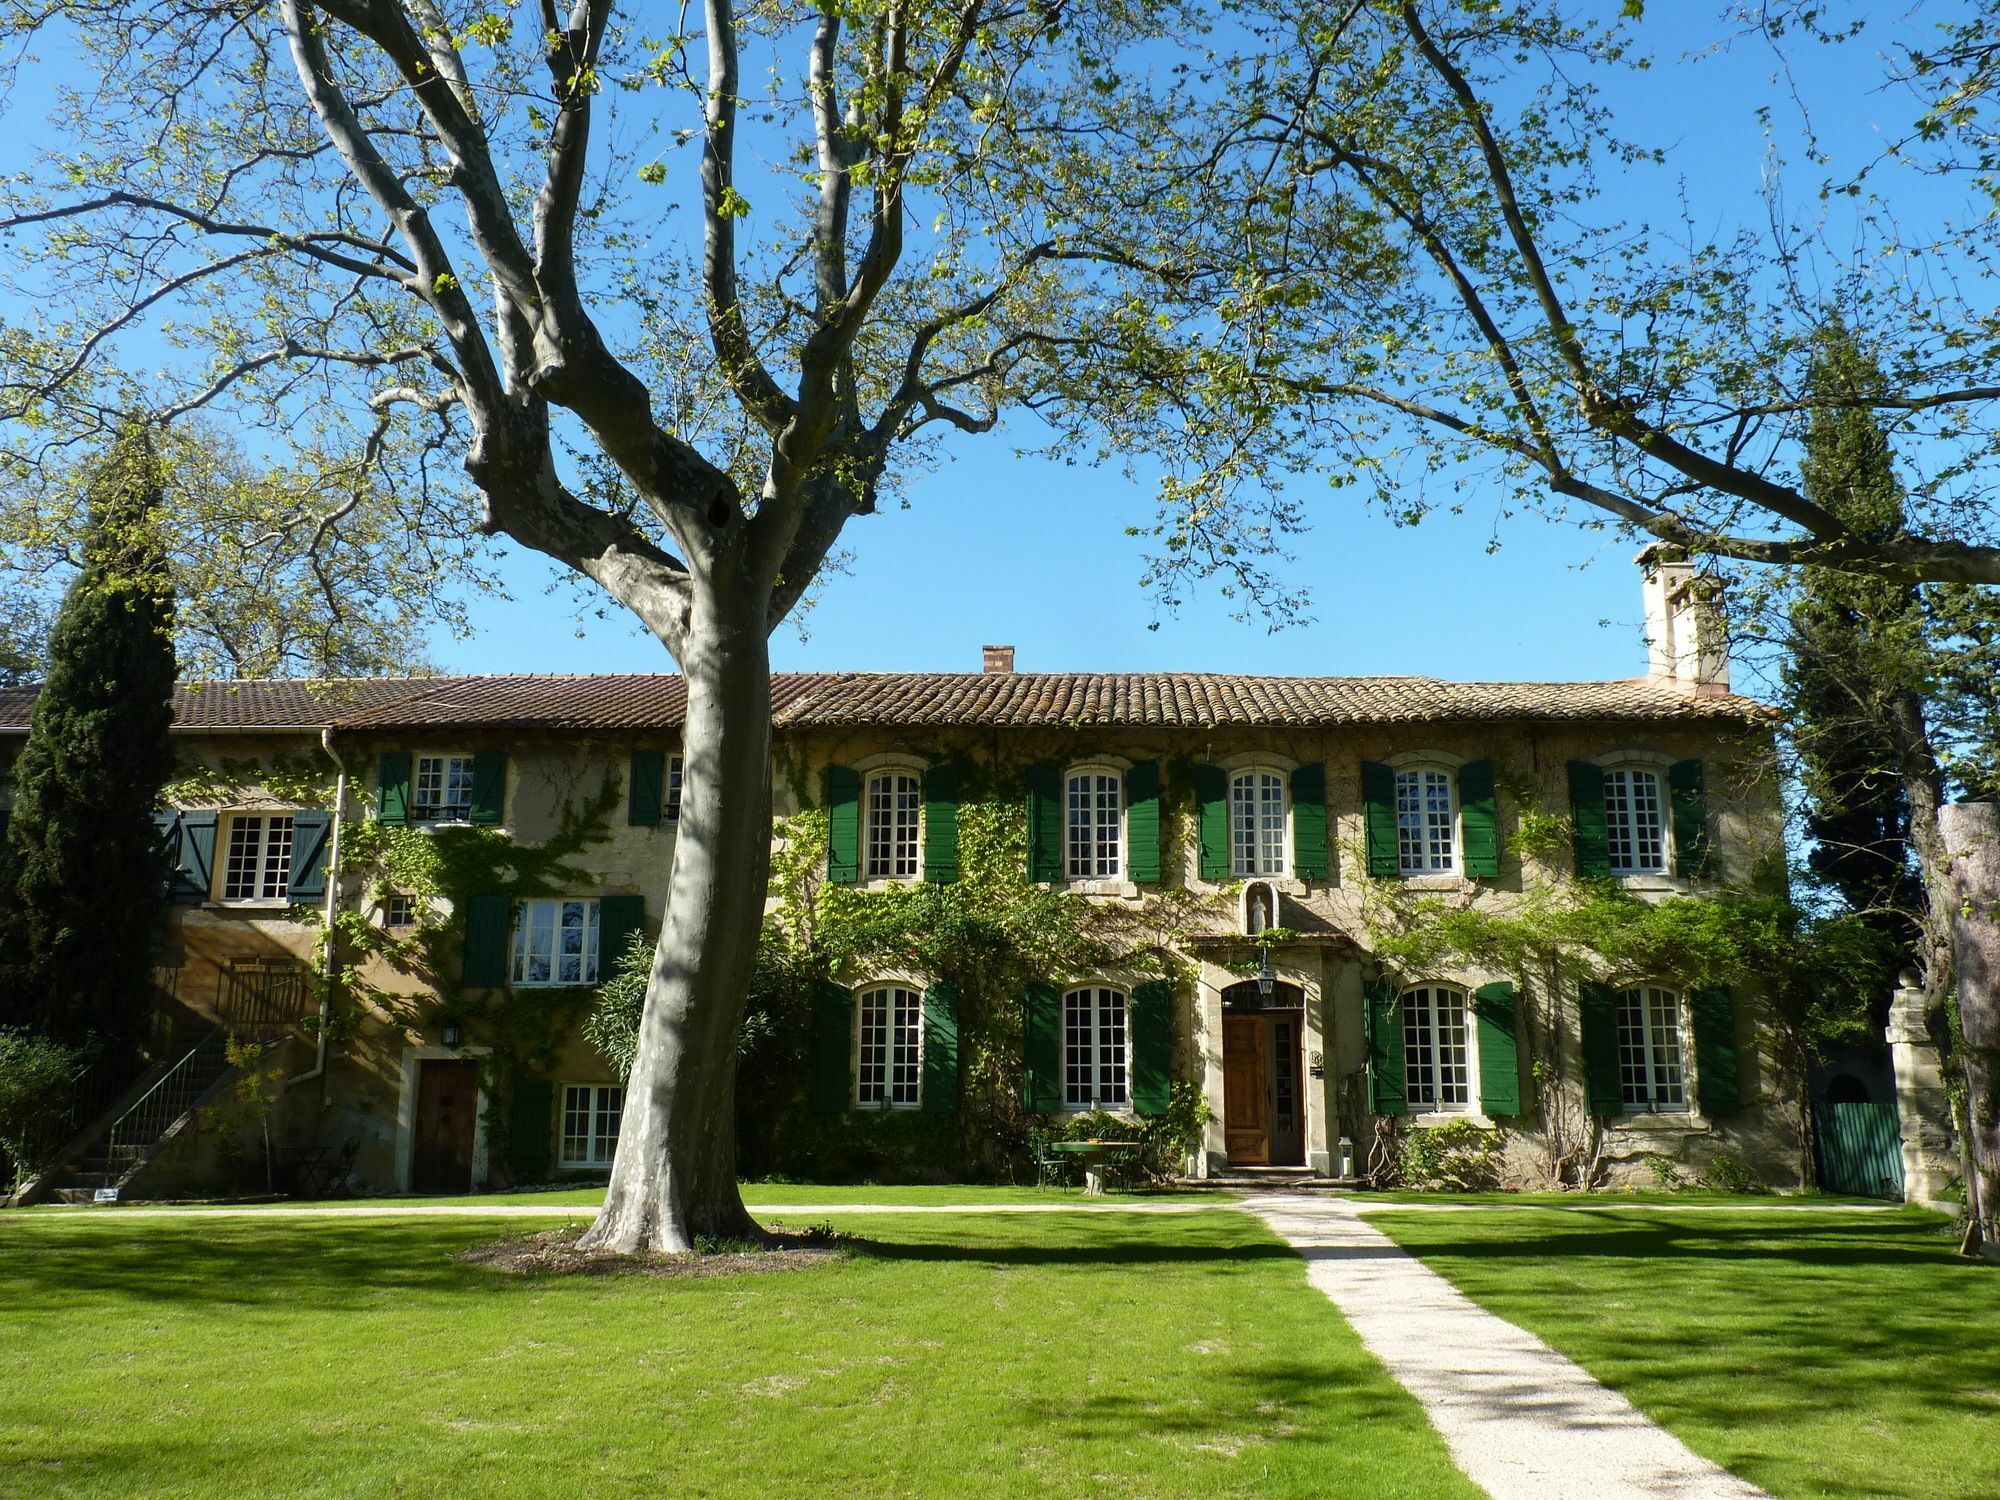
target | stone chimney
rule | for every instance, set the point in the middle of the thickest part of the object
(996, 658)
(1687, 636)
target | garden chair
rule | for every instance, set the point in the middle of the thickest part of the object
(331, 1177)
(1051, 1166)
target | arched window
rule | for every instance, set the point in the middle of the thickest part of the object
(889, 1023)
(894, 803)
(1426, 821)
(1094, 1052)
(1437, 1058)
(1256, 823)
(1635, 825)
(1650, 1073)
(1094, 839)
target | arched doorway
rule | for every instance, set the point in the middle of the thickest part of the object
(1263, 1085)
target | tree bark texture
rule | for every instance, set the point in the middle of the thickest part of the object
(1971, 833)
(673, 1180)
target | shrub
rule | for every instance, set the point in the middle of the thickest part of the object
(36, 1078)
(1456, 1157)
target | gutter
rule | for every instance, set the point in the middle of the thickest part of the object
(318, 1069)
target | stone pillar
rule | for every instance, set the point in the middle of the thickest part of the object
(1930, 1164)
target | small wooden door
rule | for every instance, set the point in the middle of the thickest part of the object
(441, 1142)
(1288, 1121)
(1245, 1092)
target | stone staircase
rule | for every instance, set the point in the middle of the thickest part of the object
(121, 1143)
(1287, 1179)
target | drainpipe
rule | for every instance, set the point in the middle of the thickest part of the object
(318, 1069)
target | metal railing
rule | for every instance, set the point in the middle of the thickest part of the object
(263, 1001)
(178, 1090)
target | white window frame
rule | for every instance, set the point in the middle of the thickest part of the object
(870, 778)
(1652, 1050)
(675, 775)
(1097, 1050)
(599, 1149)
(1094, 772)
(389, 901)
(270, 860)
(1239, 868)
(1626, 827)
(900, 1084)
(1428, 1068)
(441, 812)
(526, 927)
(1423, 832)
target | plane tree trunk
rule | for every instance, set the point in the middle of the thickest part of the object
(1971, 835)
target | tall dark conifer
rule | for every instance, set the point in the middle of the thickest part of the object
(83, 875)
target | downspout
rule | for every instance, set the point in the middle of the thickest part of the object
(318, 1069)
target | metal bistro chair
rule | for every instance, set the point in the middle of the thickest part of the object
(330, 1178)
(1051, 1166)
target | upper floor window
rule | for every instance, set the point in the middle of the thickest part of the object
(1425, 822)
(443, 790)
(670, 808)
(894, 803)
(591, 1114)
(1256, 823)
(1094, 1072)
(555, 942)
(1437, 1070)
(1634, 822)
(1649, 1048)
(1095, 801)
(258, 864)
(889, 1058)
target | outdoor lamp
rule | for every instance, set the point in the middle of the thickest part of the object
(1267, 979)
(449, 1031)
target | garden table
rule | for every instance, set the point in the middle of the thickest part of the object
(1094, 1155)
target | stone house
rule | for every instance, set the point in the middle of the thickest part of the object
(409, 890)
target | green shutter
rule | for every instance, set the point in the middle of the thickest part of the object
(1211, 803)
(1715, 1085)
(489, 922)
(1687, 792)
(167, 822)
(533, 1115)
(619, 918)
(1499, 1051)
(1586, 810)
(843, 825)
(1378, 816)
(489, 788)
(1478, 822)
(940, 1085)
(1384, 1017)
(1152, 1020)
(941, 824)
(310, 826)
(1142, 822)
(1041, 1049)
(1597, 1008)
(1309, 858)
(833, 1047)
(1045, 823)
(392, 781)
(645, 788)
(194, 866)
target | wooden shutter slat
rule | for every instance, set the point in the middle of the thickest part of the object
(1211, 800)
(1687, 794)
(310, 827)
(645, 788)
(1378, 816)
(1493, 1007)
(843, 825)
(619, 918)
(1597, 1008)
(1309, 854)
(1142, 822)
(1045, 824)
(1152, 1047)
(941, 824)
(1478, 822)
(1586, 806)
(940, 1083)
(833, 1042)
(392, 787)
(489, 923)
(194, 875)
(1041, 1049)
(489, 789)
(1715, 1076)
(1387, 1093)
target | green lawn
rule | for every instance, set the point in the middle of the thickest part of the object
(1058, 1355)
(1814, 1354)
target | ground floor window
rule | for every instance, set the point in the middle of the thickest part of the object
(590, 1123)
(1094, 1048)
(889, 1069)
(1436, 1062)
(1649, 1048)
(555, 942)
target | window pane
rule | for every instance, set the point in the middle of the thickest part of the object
(872, 1073)
(904, 1068)
(555, 942)
(894, 802)
(1436, 1054)
(1110, 1047)
(1649, 1049)
(1093, 801)
(444, 788)
(1257, 824)
(1634, 829)
(1423, 822)
(239, 873)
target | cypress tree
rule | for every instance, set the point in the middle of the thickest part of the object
(84, 868)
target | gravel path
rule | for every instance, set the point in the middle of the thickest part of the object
(1523, 1422)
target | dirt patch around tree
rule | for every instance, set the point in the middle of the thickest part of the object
(554, 1252)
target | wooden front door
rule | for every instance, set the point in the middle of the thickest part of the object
(1246, 1094)
(441, 1141)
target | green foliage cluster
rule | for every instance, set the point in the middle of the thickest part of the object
(82, 841)
(297, 780)
(1164, 1141)
(1458, 1157)
(36, 1075)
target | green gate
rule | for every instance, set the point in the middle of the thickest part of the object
(1860, 1149)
